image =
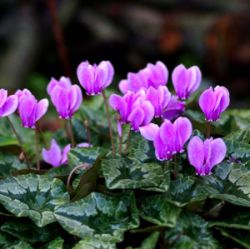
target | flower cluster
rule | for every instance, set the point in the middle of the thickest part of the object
(146, 97)
(146, 104)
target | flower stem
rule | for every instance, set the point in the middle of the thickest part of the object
(109, 122)
(19, 141)
(86, 126)
(71, 133)
(128, 142)
(81, 166)
(175, 167)
(37, 148)
(208, 125)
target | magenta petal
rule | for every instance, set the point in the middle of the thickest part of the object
(115, 101)
(207, 102)
(53, 155)
(75, 98)
(9, 106)
(3, 96)
(162, 72)
(86, 76)
(148, 110)
(167, 135)
(136, 118)
(105, 71)
(124, 86)
(218, 151)
(196, 154)
(65, 153)
(149, 131)
(27, 111)
(179, 79)
(196, 75)
(41, 108)
(183, 128)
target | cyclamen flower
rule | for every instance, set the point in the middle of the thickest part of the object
(159, 98)
(174, 109)
(169, 138)
(8, 104)
(95, 78)
(152, 75)
(186, 80)
(214, 101)
(54, 155)
(30, 110)
(203, 156)
(67, 98)
(133, 108)
(23, 93)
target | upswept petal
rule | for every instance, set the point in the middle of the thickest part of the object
(196, 155)
(86, 77)
(179, 79)
(124, 86)
(9, 106)
(65, 153)
(3, 96)
(207, 102)
(167, 135)
(27, 111)
(196, 75)
(41, 108)
(53, 154)
(218, 152)
(136, 118)
(148, 110)
(183, 128)
(75, 98)
(149, 131)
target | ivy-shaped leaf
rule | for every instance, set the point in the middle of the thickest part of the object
(28, 231)
(191, 232)
(124, 173)
(33, 196)
(99, 216)
(157, 210)
(93, 243)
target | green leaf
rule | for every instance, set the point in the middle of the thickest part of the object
(18, 245)
(240, 220)
(28, 231)
(238, 145)
(191, 232)
(157, 210)
(139, 148)
(10, 163)
(242, 238)
(149, 243)
(98, 216)
(33, 196)
(54, 244)
(78, 156)
(124, 173)
(93, 243)
(7, 141)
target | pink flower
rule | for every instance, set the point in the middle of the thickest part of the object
(30, 110)
(203, 156)
(67, 98)
(8, 104)
(133, 108)
(186, 80)
(214, 101)
(169, 138)
(95, 78)
(151, 76)
(54, 155)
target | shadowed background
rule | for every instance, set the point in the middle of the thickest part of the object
(44, 38)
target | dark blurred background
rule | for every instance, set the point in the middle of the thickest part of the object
(44, 38)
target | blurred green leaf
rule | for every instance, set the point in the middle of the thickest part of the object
(191, 232)
(99, 216)
(124, 173)
(33, 196)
